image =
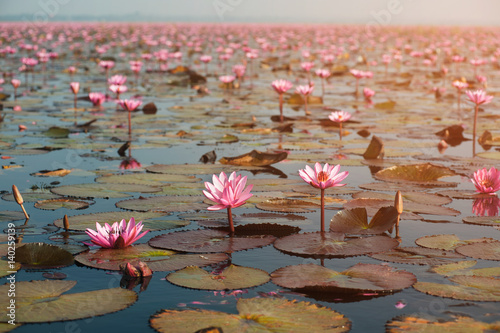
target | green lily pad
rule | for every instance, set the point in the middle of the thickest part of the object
(53, 204)
(481, 250)
(355, 221)
(461, 268)
(493, 221)
(151, 179)
(93, 190)
(8, 216)
(164, 204)
(333, 245)
(7, 268)
(359, 278)
(255, 314)
(470, 288)
(56, 132)
(413, 324)
(151, 220)
(42, 301)
(208, 241)
(42, 256)
(32, 196)
(232, 277)
(417, 256)
(446, 242)
(157, 260)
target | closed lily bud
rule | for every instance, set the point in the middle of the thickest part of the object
(144, 269)
(398, 202)
(130, 271)
(17, 195)
(66, 222)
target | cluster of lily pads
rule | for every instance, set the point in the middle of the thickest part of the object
(408, 135)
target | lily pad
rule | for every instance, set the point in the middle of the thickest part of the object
(53, 204)
(52, 173)
(8, 216)
(412, 207)
(417, 256)
(359, 278)
(493, 221)
(208, 241)
(93, 190)
(32, 196)
(482, 250)
(150, 179)
(470, 288)
(232, 277)
(255, 158)
(42, 301)
(333, 245)
(255, 314)
(42, 256)
(157, 260)
(7, 268)
(413, 324)
(288, 206)
(355, 221)
(164, 204)
(418, 197)
(446, 242)
(196, 169)
(461, 268)
(151, 220)
(416, 174)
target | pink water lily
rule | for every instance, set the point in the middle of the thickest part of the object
(486, 181)
(75, 87)
(305, 91)
(117, 236)
(97, 98)
(227, 193)
(281, 86)
(129, 105)
(323, 177)
(477, 97)
(118, 80)
(339, 117)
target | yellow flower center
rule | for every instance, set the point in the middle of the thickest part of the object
(322, 176)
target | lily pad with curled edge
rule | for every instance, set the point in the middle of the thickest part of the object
(426, 174)
(413, 324)
(255, 314)
(418, 197)
(255, 158)
(53, 204)
(470, 288)
(196, 169)
(232, 277)
(42, 301)
(208, 241)
(42, 256)
(412, 207)
(446, 242)
(150, 179)
(157, 260)
(151, 220)
(164, 204)
(93, 190)
(493, 221)
(358, 278)
(8, 216)
(417, 256)
(355, 221)
(7, 268)
(461, 268)
(32, 196)
(333, 245)
(482, 250)
(287, 206)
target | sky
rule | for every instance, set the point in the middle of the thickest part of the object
(381, 12)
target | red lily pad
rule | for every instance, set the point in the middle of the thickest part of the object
(417, 256)
(232, 277)
(493, 221)
(481, 250)
(358, 278)
(355, 221)
(265, 313)
(333, 245)
(157, 260)
(416, 174)
(208, 241)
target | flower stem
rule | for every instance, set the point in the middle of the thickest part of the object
(281, 108)
(322, 210)
(340, 130)
(474, 132)
(230, 218)
(129, 123)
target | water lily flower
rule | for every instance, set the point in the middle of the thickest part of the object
(227, 193)
(15, 83)
(486, 206)
(130, 163)
(117, 236)
(281, 86)
(486, 181)
(118, 80)
(118, 89)
(368, 93)
(130, 105)
(75, 87)
(340, 117)
(323, 177)
(477, 97)
(97, 98)
(305, 91)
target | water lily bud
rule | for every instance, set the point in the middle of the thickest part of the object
(130, 271)
(398, 202)
(144, 269)
(17, 195)
(66, 222)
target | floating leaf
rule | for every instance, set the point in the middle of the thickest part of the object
(164, 204)
(52, 173)
(288, 206)
(151, 220)
(374, 204)
(417, 256)
(196, 169)
(460, 268)
(463, 194)
(333, 245)
(150, 179)
(470, 288)
(42, 302)
(56, 132)
(358, 278)
(418, 197)
(93, 190)
(7, 268)
(232, 277)
(8, 216)
(412, 324)
(355, 221)
(417, 174)
(157, 260)
(481, 250)
(258, 314)
(43, 256)
(54, 204)
(446, 242)
(208, 241)
(32, 196)
(493, 221)
(255, 158)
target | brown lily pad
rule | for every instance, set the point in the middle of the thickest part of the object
(355, 221)
(417, 256)
(481, 250)
(470, 288)
(446, 242)
(163, 204)
(53, 204)
(255, 158)
(416, 174)
(288, 206)
(413, 324)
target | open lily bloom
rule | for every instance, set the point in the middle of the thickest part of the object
(116, 236)
(227, 192)
(323, 177)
